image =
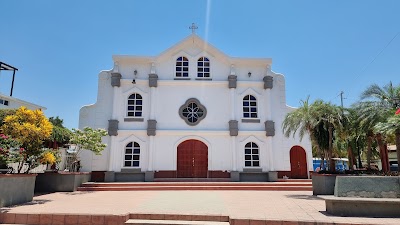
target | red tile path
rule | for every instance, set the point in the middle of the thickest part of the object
(237, 207)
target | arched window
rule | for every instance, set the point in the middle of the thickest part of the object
(182, 67)
(135, 105)
(203, 67)
(132, 155)
(251, 155)
(249, 106)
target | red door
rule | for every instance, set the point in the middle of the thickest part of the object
(192, 159)
(298, 162)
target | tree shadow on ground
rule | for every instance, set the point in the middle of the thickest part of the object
(34, 202)
(306, 197)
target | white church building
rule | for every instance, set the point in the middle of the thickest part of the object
(193, 112)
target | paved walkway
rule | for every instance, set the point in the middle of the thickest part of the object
(262, 205)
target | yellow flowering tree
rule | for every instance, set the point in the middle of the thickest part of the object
(30, 128)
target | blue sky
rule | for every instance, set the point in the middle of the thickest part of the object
(322, 47)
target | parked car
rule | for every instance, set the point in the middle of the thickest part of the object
(393, 166)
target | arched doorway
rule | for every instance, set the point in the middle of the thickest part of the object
(298, 162)
(192, 159)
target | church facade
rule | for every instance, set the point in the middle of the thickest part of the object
(193, 112)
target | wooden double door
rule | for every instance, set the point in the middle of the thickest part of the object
(192, 159)
(298, 163)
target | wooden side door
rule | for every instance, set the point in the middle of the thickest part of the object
(298, 163)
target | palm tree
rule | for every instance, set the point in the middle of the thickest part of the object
(349, 134)
(330, 119)
(304, 121)
(390, 127)
(319, 120)
(376, 106)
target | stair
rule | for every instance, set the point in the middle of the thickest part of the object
(172, 222)
(176, 186)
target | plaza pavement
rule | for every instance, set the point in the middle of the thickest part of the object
(242, 207)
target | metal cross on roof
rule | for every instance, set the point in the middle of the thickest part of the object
(193, 27)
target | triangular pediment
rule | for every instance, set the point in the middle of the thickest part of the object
(192, 45)
(251, 139)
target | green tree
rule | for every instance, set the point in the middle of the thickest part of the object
(376, 107)
(392, 127)
(86, 139)
(60, 134)
(304, 121)
(329, 119)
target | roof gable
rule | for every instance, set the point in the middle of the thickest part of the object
(192, 45)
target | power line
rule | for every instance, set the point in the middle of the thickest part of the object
(373, 60)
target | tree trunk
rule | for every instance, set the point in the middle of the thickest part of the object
(350, 156)
(398, 148)
(383, 153)
(369, 151)
(320, 152)
(330, 150)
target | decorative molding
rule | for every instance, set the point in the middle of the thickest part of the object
(250, 91)
(232, 80)
(113, 127)
(192, 112)
(151, 127)
(182, 78)
(116, 79)
(269, 128)
(133, 119)
(233, 128)
(126, 139)
(258, 140)
(153, 78)
(130, 170)
(134, 89)
(268, 82)
(252, 169)
(250, 120)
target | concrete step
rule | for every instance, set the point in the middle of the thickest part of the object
(294, 180)
(172, 222)
(220, 180)
(200, 188)
(195, 184)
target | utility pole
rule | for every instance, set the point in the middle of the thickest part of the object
(341, 100)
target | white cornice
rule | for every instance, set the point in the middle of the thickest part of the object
(185, 132)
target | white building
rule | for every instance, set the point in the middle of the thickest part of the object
(9, 102)
(193, 112)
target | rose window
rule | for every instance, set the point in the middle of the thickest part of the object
(192, 112)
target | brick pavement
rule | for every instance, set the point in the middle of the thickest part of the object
(242, 207)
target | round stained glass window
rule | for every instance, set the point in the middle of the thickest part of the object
(192, 111)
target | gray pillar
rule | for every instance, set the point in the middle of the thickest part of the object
(113, 127)
(235, 176)
(268, 82)
(232, 81)
(116, 79)
(149, 176)
(109, 176)
(153, 78)
(233, 128)
(270, 128)
(151, 127)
